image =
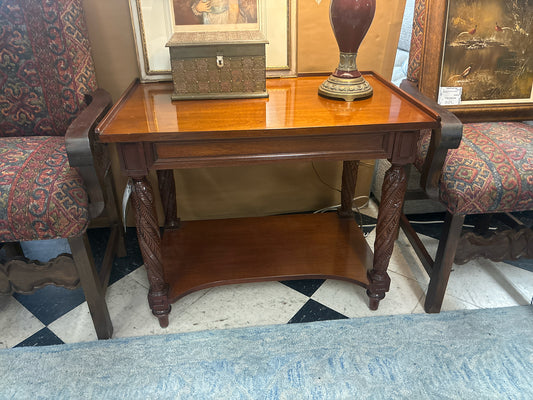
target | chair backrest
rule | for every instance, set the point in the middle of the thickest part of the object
(46, 67)
(417, 39)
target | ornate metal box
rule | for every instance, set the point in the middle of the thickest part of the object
(218, 65)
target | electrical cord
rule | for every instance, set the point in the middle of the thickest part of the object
(322, 180)
(358, 212)
(492, 228)
(356, 209)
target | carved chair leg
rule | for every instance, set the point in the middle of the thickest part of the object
(92, 287)
(450, 236)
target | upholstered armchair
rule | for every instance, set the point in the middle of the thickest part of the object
(479, 163)
(55, 179)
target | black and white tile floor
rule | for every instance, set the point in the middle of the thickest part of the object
(55, 315)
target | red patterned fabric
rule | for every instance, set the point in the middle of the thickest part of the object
(41, 197)
(417, 41)
(491, 171)
(45, 70)
(45, 66)
(422, 148)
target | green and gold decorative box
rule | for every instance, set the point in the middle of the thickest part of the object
(218, 65)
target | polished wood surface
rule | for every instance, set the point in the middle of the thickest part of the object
(292, 109)
(208, 253)
(294, 123)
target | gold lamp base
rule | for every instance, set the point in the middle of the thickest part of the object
(348, 89)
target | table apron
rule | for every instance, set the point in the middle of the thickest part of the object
(138, 158)
(201, 153)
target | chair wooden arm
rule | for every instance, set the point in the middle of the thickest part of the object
(448, 136)
(85, 154)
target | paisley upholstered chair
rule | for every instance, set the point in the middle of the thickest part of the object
(480, 164)
(54, 178)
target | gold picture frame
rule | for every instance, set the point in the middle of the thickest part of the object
(472, 32)
(153, 25)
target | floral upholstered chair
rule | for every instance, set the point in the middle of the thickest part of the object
(54, 178)
(480, 164)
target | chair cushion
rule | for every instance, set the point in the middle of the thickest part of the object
(491, 171)
(41, 197)
(45, 66)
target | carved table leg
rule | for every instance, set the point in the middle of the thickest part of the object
(349, 178)
(390, 208)
(150, 244)
(167, 191)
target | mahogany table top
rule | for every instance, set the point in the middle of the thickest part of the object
(146, 113)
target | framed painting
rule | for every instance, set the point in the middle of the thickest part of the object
(217, 15)
(478, 58)
(154, 22)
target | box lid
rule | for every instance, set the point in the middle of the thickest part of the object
(209, 38)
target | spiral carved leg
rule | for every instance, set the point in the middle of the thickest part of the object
(349, 178)
(390, 208)
(150, 244)
(167, 190)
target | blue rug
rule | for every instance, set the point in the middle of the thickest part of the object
(478, 354)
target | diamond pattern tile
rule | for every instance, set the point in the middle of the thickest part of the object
(56, 315)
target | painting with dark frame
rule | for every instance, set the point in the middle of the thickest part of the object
(485, 47)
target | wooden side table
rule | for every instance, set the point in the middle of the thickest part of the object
(153, 133)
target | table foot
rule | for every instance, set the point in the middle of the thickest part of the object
(374, 300)
(379, 285)
(158, 301)
(163, 320)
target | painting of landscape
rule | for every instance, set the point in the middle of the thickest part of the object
(488, 49)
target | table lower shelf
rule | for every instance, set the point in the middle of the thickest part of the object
(202, 254)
